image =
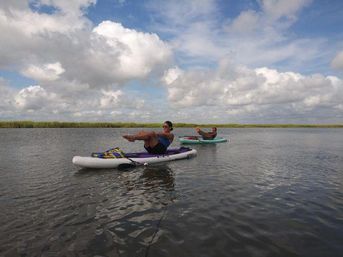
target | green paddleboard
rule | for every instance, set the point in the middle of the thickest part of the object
(199, 140)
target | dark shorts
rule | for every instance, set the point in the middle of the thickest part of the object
(157, 149)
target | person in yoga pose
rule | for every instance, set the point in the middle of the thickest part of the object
(155, 142)
(207, 135)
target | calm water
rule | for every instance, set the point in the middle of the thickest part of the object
(267, 192)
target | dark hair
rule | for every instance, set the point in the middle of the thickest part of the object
(170, 124)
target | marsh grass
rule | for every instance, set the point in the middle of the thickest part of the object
(57, 124)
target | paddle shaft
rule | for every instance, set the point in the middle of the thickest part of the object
(133, 164)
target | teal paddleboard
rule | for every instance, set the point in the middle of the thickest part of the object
(199, 140)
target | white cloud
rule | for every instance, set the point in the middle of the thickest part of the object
(6, 93)
(125, 53)
(283, 8)
(82, 69)
(46, 72)
(29, 24)
(240, 91)
(246, 22)
(254, 38)
(110, 99)
(9, 4)
(107, 54)
(29, 37)
(34, 98)
(171, 75)
(55, 103)
(337, 62)
(78, 66)
(176, 13)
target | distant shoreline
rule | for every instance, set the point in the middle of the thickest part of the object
(57, 124)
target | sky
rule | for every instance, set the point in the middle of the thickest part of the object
(196, 61)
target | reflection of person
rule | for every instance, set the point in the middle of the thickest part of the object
(155, 142)
(207, 135)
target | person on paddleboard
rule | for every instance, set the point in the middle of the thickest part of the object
(207, 135)
(155, 142)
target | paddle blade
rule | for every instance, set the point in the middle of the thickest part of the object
(125, 166)
(131, 165)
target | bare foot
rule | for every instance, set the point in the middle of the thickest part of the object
(129, 138)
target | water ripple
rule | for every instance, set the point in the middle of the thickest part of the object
(265, 193)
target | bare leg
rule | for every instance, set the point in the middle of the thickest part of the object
(129, 138)
(149, 138)
(203, 134)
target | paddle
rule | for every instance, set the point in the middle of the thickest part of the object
(133, 164)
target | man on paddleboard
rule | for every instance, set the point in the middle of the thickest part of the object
(207, 135)
(155, 142)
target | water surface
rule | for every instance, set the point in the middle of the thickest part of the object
(267, 192)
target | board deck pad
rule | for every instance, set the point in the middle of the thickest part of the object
(169, 152)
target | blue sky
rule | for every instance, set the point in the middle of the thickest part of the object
(265, 61)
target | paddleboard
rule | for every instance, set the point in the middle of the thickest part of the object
(199, 140)
(133, 158)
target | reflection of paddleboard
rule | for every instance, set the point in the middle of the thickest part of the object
(199, 140)
(140, 158)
